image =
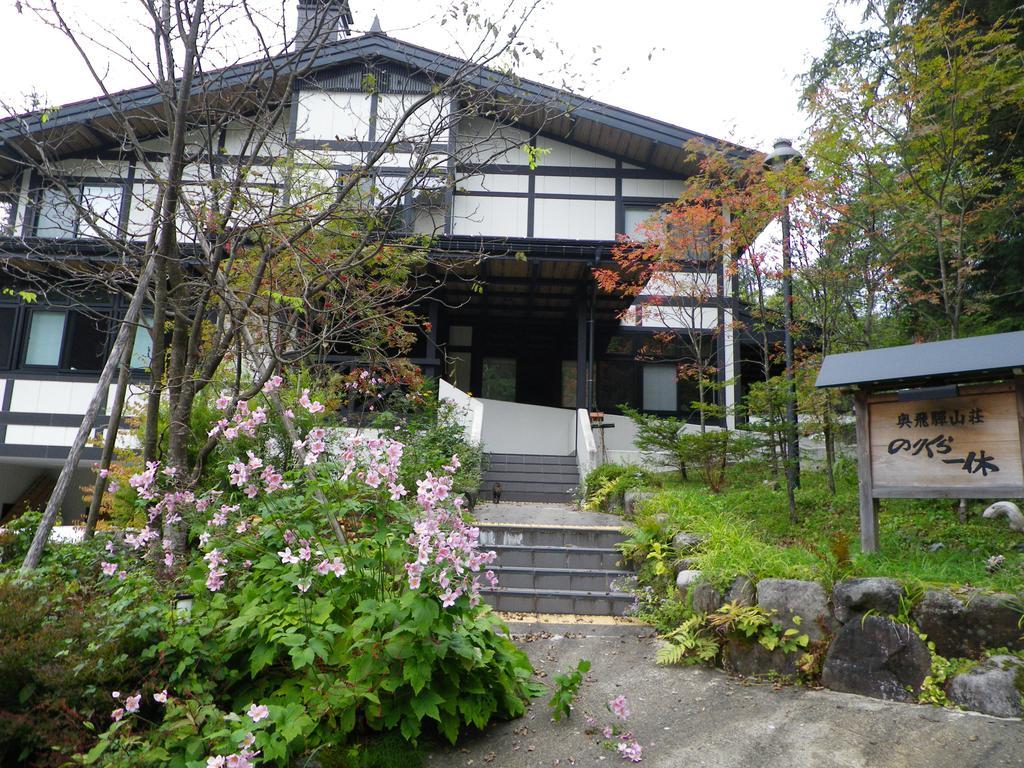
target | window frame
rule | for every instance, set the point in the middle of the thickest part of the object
(79, 185)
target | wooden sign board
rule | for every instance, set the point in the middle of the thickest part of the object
(969, 446)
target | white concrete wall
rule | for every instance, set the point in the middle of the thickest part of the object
(528, 429)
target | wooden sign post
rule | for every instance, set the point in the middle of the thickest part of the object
(966, 446)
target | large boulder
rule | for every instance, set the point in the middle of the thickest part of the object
(993, 687)
(853, 598)
(706, 599)
(741, 657)
(967, 627)
(790, 598)
(632, 498)
(877, 657)
(742, 591)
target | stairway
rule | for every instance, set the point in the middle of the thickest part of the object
(530, 478)
(555, 569)
(34, 497)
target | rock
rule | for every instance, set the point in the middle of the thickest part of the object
(706, 599)
(791, 597)
(991, 687)
(684, 565)
(855, 597)
(613, 503)
(879, 658)
(936, 547)
(740, 657)
(632, 498)
(685, 580)
(687, 542)
(966, 628)
(742, 591)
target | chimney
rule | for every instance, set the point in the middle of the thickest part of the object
(322, 21)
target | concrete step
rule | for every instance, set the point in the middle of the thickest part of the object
(517, 486)
(559, 579)
(538, 497)
(574, 558)
(549, 536)
(558, 601)
(530, 458)
(529, 472)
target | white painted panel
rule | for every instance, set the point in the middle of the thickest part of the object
(3, 389)
(40, 396)
(567, 155)
(22, 434)
(575, 219)
(660, 316)
(667, 188)
(483, 141)
(102, 169)
(428, 124)
(495, 182)
(274, 144)
(528, 429)
(574, 185)
(695, 284)
(490, 216)
(330, 116)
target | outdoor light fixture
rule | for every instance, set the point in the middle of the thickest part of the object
(183, 604)
(776, 160)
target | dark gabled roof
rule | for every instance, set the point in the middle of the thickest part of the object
(977, 357)
(604, 127)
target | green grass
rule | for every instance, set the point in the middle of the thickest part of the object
(749, 532)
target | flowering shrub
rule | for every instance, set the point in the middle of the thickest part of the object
(615, 736)
(327, 599)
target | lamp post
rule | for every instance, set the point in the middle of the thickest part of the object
(776, 160)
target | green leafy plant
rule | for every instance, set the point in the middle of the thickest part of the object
(755, 624)
(693, 642)
(567, 687)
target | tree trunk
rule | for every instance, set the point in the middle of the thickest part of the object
(124, 336)
(109, 441)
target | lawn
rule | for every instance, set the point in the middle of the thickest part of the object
(748, 532)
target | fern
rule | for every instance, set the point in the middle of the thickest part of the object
(691, 643)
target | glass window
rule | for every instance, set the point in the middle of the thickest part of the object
(104, 203)
(56, 215)
(142, 348)
(6, 336)
(636, 215)
(616, 385)
(660, 388)
(87, 343)
(460, 335)
(45, 338)
(460, 368)
(499, 378)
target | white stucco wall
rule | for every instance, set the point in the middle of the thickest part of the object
(528, 429)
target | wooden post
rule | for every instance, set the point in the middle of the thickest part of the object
(868, 504)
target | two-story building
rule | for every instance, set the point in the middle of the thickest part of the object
(531, 200)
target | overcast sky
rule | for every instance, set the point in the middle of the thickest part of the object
(726, 68)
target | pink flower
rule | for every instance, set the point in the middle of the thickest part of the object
(258, 712)
(619, 707)
(104, 473)
(113, 486)
(304, 551)
(215, 762)
(337, 567)
(311, 406)
(109, 569)
(289, 413)
(160, 697)
(215, 580)
(131, 703)
(117, 714)
(223, 402)
(607, 732)
(273, 384)
(303, 585)
(168, 559)
(632, 752)
(287, 557)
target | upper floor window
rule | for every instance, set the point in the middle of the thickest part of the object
(636, 216)
(82, 210)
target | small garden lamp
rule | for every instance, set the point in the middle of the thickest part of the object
(782, 154)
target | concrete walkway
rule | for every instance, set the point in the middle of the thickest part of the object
(531, 513)
(689, 717)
